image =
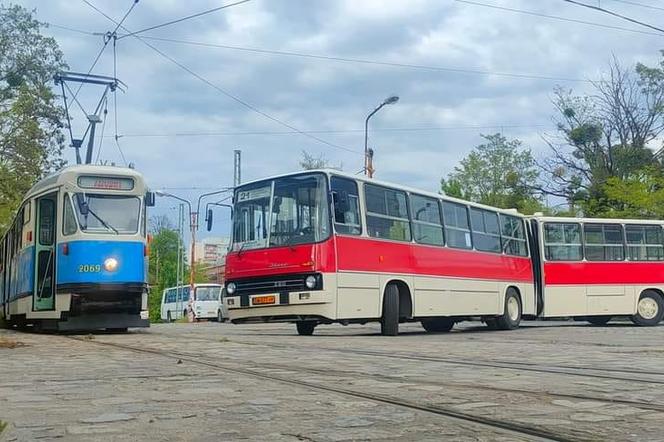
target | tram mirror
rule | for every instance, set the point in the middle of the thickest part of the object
(209, 220)
(82, 204)
(149, 199)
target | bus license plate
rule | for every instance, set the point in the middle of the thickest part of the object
(263, 300)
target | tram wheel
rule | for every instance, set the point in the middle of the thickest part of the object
(649, 310)
(305, 328)
(437, 325)
(511, 317)
(117, 330)
(599, 320)
(389, 323)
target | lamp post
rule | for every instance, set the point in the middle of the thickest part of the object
(368, 154)
(192, 228)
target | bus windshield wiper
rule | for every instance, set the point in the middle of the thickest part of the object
(103, 223)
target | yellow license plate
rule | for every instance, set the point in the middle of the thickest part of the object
(262, 300)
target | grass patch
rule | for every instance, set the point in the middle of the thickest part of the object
(10, 343)
(3, 425)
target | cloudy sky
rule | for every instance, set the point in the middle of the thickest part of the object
(484, 68)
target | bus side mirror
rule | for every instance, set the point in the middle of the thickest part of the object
(209, 220)
(149, 199)
(341, 202)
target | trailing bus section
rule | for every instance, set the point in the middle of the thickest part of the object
(321, 247)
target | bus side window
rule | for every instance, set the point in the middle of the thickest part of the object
(562, 242)
(427, 223)
(603, 242)
(486, 232)
(457, 229)
(644, 243)
(513, 236)
(387, 213)
(346, 206)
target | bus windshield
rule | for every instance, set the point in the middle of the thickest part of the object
(98, 213)
(281, 212)
(208, 293)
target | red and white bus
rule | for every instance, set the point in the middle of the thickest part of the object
(322, 246)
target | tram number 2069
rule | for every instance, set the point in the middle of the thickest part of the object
(89, 268)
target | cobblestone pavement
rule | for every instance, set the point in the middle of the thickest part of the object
(211, 381)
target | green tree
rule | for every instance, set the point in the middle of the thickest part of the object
(605, 136)
(31, 140)
(163, 262)
(499, 173)
(639, 196)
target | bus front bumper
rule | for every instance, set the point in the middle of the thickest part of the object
(273, 306)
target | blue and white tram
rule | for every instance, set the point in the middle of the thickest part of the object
(75, 257)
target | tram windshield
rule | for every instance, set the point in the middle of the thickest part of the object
(115, 214)
(208, 293)
(283, 212)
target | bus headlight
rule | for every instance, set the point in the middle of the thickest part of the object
(111, 264)
(230, 288)
(310, 282)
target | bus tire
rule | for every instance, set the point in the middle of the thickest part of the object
(305, 328)
(492, 324)
(437, 325)
(169, 318)
(511, 317)
(389, 322)
(649, 310)
(599, 321)
(220, 317)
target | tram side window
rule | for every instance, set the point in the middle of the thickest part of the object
(427, 224)
(486, 230)
(513, 235)
(603, 242)
(69, 225)
(644, 243)
(387, 213)
(457, 228)
(346, 201)
(562, 242)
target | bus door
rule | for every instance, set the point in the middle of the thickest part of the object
(46, 220)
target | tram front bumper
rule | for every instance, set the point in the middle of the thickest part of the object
(103, 321)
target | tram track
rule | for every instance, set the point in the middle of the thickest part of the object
(570, 370)
(509, 427)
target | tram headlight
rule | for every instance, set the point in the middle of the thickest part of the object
(310, 282)
(111, 264)
(230, 288)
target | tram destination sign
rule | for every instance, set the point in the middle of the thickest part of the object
(105, 182)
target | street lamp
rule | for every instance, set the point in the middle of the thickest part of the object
(368, 154)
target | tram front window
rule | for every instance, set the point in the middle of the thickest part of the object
(115, 214)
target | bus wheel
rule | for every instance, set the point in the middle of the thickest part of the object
(599, 320)
(305, 328)
(389, 323)
(649, 310)
(220, 317)
(169, 318)
(511, 316)
(435, 325)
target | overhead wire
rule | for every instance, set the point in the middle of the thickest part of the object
(103, 127)
(172, 22)
(223, 91)
(555, 17)
(67, 28)
(614, 14)
(115, 102)
(627, 2)
(107, 38)
(369, 62)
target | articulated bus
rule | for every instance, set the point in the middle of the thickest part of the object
(75, 256)
(320, 247)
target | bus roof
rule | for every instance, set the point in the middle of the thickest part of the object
(568, 219)
(364, 179)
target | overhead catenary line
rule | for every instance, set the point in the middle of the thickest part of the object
(333, 131)
(555, 17)
(172, 22)
(67, 28)
(107, 39)
(221, 90)
(370, 62)
(627, 2)
(614, 14)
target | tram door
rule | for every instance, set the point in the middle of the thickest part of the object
(44, 297)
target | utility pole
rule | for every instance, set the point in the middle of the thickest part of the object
(369, 153)
(237, 167)
(180, 264)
